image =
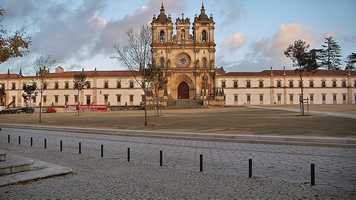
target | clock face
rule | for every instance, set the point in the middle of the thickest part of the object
(183, 60)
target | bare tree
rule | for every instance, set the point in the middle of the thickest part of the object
(80, 82)
(304, 60)
(158, 82)
(136, 56)
(42, 68)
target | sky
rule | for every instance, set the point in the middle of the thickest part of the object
(251, 35)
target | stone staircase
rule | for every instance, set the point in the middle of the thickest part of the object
(184, 104)
(17, 169)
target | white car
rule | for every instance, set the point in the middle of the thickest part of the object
(2, 108)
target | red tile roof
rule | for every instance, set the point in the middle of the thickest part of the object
(290, 73)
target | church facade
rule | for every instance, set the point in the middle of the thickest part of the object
(185, 51)
(186, 54)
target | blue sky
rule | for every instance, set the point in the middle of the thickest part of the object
(250, 34)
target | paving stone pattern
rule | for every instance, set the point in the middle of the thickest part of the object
(280, 171)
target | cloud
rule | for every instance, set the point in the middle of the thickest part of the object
(234, 42)
(268, 52)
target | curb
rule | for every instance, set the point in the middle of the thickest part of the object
(252, 139)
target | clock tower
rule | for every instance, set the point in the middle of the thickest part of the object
(185, 54)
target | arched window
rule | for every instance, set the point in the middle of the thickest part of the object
(161, 62)
(162, 36)
(204, 36)
(205, 63)
(183, 34)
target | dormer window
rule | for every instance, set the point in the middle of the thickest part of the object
(204, 36)
(162, 37)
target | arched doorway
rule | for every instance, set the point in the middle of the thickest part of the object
(183, 90)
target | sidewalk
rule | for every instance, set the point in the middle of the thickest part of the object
(333, 114)
(345, 142)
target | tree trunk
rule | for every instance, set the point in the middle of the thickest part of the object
(301, 100)
(78, 103)
(40, 119)
(145, 105)
(157, 102)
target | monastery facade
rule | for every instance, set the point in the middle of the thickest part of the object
(187, 57)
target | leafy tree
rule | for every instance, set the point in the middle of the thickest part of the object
(29, 92)
(304, 61)
(351, 62)
(159, 81)
(331, 54)
(12, 46)
(80, 82)
(42, 68)
(136, 56)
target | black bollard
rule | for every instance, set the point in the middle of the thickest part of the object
(19, 139)
(128, 154)
(60, 145)
(31, 141)
(312, 174)
(45, 143)
(201, 162)
(101, 150)
(249, 168)
(8, 139)
(160, 158)
(80, 148)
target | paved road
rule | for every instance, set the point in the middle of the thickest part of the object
(281, 170)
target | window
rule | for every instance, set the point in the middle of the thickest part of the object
(13, 86)
(334, 83)
(183, 34)
(56, 85)
(88, 85)
(205, 62)
(204, 36)
(162, 36)
(23, 85)
(236, 98)
(34, 99)
(344, 83)
(279, 83)
(236, 85)
(248, 83)
(334, 99)
(248, 98)
(311, 83)
(161, 62)
(279, 98)
(142, 98)
(66, 85)
(223, 84)
(55, 98)
(66, 99)
(118, 98)
(131, 84)
(323, 84)
(106, 98)
(344, 98)
(260, 84)
(291, 84)
(131, 98)
(44, 99)
(45, 85)
(118, 84)
(291, 98)
(76, 98)
(311, 98)
(323, 98)
(261, 98)
(88, 99)
(354, 84)
(106, 84)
